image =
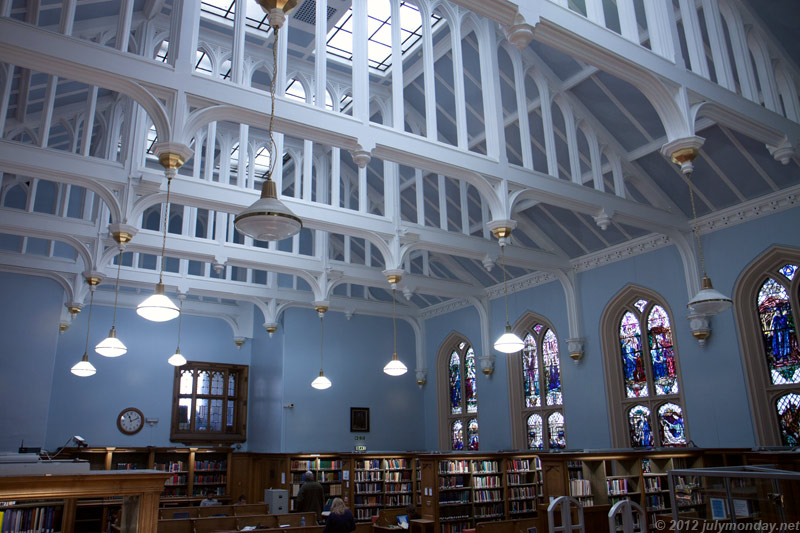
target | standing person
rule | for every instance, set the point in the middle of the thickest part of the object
(341, 519)
(309, 498)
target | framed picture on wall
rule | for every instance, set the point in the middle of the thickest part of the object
(359, 419)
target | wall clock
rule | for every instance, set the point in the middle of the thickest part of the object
(130, 421)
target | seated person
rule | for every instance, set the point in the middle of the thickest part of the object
(209, 499)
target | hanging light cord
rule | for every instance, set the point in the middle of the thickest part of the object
(164, 242)
(394, 319)
(89, 318)
(116, 289)
(696, 229)
(505, 285)
(321, 335)
(273, 148)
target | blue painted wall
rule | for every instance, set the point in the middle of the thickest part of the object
(265, 400)
(356, 351)
(27, 352)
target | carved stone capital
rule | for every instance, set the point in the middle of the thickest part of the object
(683, 151)
(700, 326)
(575, 347)
(422, 377)
(487, 364)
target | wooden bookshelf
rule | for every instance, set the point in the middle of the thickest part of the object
(524, 486)
(327, 470)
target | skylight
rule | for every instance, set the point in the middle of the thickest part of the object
(379, 29)
(254, 16)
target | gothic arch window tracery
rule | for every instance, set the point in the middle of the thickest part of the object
(458, 395)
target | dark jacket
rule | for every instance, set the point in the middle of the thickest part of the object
(309, 498)
(340, 523)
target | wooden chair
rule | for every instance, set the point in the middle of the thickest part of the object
(262, 521)
(250, 509)
(171, 525)
(217, 523)
(215, 510)
(178, 512)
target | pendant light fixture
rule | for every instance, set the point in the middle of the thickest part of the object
(84, 368)
(321, 382)
(111, 346)
(395, 367)
(708, 301)
(508, 342)
(177, 359)
(158, 307)
(268, 219)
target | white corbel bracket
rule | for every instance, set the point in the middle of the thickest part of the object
(422, 377)
(361, 157)
(784, 152)
(576, 349)
(520, 34)
(700, 326)
(603, 219)
(487, 364)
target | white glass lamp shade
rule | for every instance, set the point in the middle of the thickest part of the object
(83, 368)
(268, 219)
(709, 301)
(508, 342)
(321, 382)
(177, 359)
(111, 346)
(395, 367)
(158, 307)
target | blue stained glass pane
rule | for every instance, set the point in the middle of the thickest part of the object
(455, 383)
(555, 425)
(662, 354)
(535, 439)
(470, 382)
(778, 333)
(472, 431)
(639, 426)
(789, 271)
(552, 368)
(457, 435)
(670, 425)
(788, 407)
(632, 361)
(530, 373)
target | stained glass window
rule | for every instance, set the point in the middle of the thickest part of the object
(470, 383)
(788, 408)
(530, 373)
(535, 437)
(670, 425)
(640, 428)
(788, 271)
(659, 335)
(552, 369)
(778, 333)
(455, 383)
(472, 430)
(457, 435)
(462, 391)
(640, 305)
(555, 425)
(632, 362)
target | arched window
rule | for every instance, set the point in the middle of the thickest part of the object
(458, 395)
(642, 372)
(767, 307)
(535, 387)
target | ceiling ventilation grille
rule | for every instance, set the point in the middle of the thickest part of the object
(307, 12)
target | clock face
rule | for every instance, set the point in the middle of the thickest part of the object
(130, 421)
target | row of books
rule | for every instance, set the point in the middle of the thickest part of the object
(521, 506)
(656, 503)
(523, 465)
(486, 481)
(454, 497)
(172, 466)
(397, 500)
(522, 479)
(210, 465)
(451, 482)
(366, 488)
(373, 475)
(400, 475)
(30, 519)
(580, 487)
(368, 464)
(652, 484)
(519, 493)
(454, 467)
(484, 466)
(209, 478)
(397, 487)
(176, 479)
(617, 486)
(488, 496)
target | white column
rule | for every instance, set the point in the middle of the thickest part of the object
(616, 171)
(67, 16)
(183, 35)
(442, 202)
(47, 110)
(764, 70)
(522, 109)
(594, 12)
(398, 114)
(321, 53)
(391, 186)
(458, 85)
(595, 159)
(572, 140)
(627, 20)
(548, 129)
(208, 159)
(336, 176)
(88, 126)
(462, 189)
(428, 76)
(5, 9)
(490, 88)
(243, 172)
(719, 48)
(308, 162)
(363, 199)
(694, 38)
(225, 160)
(663, 30)
(360, 63)
(298, 178)
(420, 200)
(485, 217)
(124, 25)
(239, 30)
(4, 96)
